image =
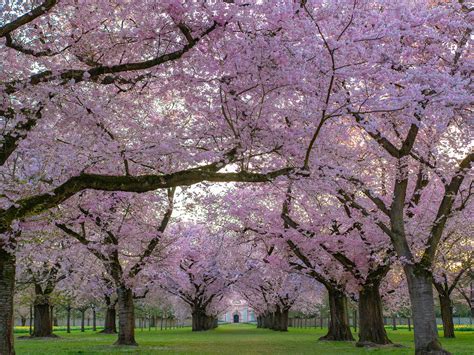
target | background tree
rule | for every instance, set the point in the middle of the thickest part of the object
(121, 232)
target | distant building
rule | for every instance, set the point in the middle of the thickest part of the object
(238, 312)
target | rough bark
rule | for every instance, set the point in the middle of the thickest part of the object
(42, 319)
(268, 320)
(7, 284)
(280, 320)
(447, 315)
(339, 328)
(109, 325)
(201, 321)
(424, 319)
(126, 335)
(371, 327)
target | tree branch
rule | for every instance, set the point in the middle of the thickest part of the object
(36, 204)
(28, 17)
(154, 241)
(445, 208)
(93, 74)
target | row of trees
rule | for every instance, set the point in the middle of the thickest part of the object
(348, 122)
(197, 279)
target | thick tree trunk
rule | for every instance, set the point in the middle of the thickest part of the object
(424, 320)
(280, 320)
(211, 322)
(23, 321)
(259, 321)
(42, 323)
(201, 321)
(109, 325)
(126, 335)
(447, 315)
(371, 327)
(268, 320)
(339, 328)
(7, 285)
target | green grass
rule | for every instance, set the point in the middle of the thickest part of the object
(457, 327)
(227, 339)
(25, 330)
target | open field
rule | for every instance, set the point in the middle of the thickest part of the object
(226, 339)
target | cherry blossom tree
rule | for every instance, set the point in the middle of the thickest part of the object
(272, 288)
(70, 87)
(365, 256)
(121, 231)
(258, 213)
(454, 259)
(205, 266)
(406, 121)
(373, 97)
(44, 261)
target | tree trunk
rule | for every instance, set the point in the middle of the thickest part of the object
(276, 320)
(339, 328)
(280, 320)
(284, 320)
(126, 335)
(51, 315)
(68, 319)
(94, 319)
(447, 315)
(422, 303)
(7, 285)
(23, 321)
(31, 319)
(268, 320)
(201, 321)
(42, 323)
(109, 325)
(371, 327)
(83, 319)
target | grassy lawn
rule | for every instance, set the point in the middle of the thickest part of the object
(227, 339)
